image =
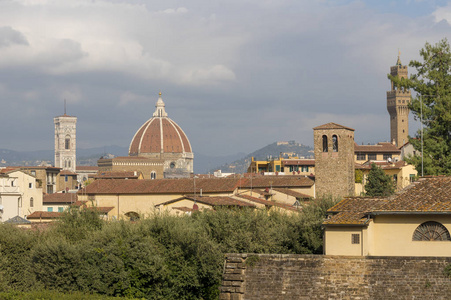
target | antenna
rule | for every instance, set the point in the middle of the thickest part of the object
(64, 106)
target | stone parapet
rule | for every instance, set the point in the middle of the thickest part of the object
(286, 276)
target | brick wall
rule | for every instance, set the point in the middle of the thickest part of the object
(284, 276)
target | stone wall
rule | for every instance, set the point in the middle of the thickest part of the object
(285, 276)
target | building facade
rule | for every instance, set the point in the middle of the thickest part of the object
(398, 100)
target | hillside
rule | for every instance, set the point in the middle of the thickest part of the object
(273, 150)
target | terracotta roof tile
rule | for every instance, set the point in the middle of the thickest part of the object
(352, 211)
(429, 194)
(292, 193)
(44, 215)
(87, 168)
(278, 181)
(213, 201)
(63, 198)
(378, 148)
(332, 126)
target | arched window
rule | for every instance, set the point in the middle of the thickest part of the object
(67, 142)
(153, 175)
(325, 148)
(431, 231)
(132, 216)
(335, 143)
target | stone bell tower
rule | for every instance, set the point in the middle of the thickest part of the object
(398, 100)
(65, 141)
(334, 160)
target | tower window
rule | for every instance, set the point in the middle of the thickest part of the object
(31, 202)
(153, 175)
(67, 142)
(325, 148)
(335, 143)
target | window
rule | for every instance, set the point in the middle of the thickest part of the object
(294, 168)
(355, 238)
(277, 168)
(31, 202)
(431, 231)
(49, 209)
(33, 173)
(60, 209)
(67, 142)
(395, 178)
(372, 156)
(153, 175)
(361, 156)
(325, 149)
(172, 165)
(335, 143)
(412, 177)
(12, 183)
(30, 185)
(387, 156)
(304, 169)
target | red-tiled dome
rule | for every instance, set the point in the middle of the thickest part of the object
(159, 135)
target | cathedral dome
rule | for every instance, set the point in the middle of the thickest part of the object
(159, 135)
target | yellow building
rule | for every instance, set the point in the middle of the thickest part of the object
(282, 166)
(380, 151)
(132, 198)
(415, 222)
(402, 173)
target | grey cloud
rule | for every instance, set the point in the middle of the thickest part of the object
(9, 36)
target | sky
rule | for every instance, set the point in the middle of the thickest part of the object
(235, 75)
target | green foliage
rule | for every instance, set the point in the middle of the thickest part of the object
(432, 105)
(447, 271)
(51, 295)
(378, 183)
(358, 176)
(162, 257)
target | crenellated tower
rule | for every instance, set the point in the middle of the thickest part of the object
(398, 100)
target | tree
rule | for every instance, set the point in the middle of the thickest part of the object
(432, 105)
(378, 183)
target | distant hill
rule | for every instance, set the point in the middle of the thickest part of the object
(85, 157)
(273, 150)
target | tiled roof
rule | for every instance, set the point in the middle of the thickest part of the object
(292, 193)
(429, 194)
(262, 192)
(298, 162)
(17, 220)
(161, 186)
(213, 201)
(384, 147)
(44, 215)
(332, 126)
(117, 175)
(268, 203)
(353, 211)
(278, 181)
(63, 198)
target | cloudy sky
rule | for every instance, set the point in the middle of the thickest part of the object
(236, 75)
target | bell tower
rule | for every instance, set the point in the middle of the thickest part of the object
(398, 100)
(65, 141)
